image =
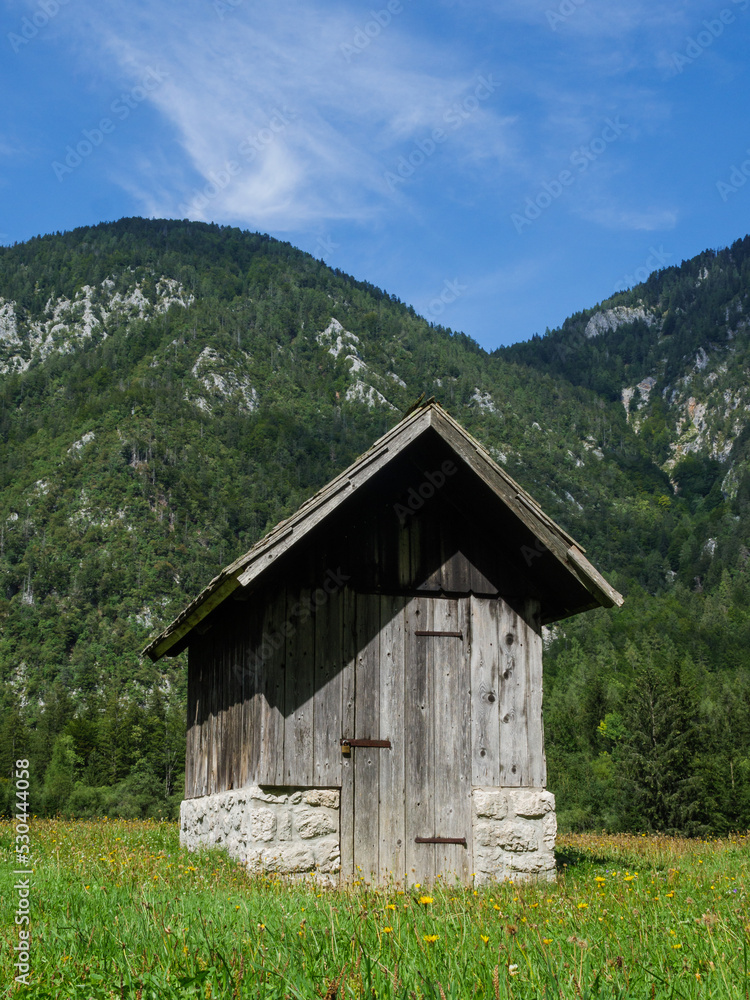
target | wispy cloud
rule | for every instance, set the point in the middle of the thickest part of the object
(276, 127)
(600, 18)
(651, 219)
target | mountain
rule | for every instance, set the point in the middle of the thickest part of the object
(171, 390)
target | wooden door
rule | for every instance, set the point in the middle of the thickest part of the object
(411, 687)
(437, 740)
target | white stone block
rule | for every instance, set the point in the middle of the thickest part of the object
(532, 803)
(263, 825)
(266, 794)
(284, 825)
(289, 859)
(326, 797)
(315, 822)
(549, 831)
(327, 855)
(490, 802)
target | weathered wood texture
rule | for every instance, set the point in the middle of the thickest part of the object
(454, 683)
(507, 745)
(271, 702)
(257, 684)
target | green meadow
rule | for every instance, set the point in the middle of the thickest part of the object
(119, 910)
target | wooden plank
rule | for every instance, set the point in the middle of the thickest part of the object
(512, 711)
(452, 746)
(434, 555)
(485, 721)
(252, 719)
(233, 745)
(367, 725)
(211, 726)
(348, 693)
(190, 727)
(419, 741)
(204, 717)
(392, 821)
(327, 698)
(404, 554)
(478, 555)
(537, 762)
(272, 654)
(299, 694)
(221, 683)
(195, 722)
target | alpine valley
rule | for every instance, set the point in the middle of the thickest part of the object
(171, 390)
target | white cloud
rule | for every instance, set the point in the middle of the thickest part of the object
(278, 124)
(648, 220)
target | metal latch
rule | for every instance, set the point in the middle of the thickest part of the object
(347, 744)
(441, 840)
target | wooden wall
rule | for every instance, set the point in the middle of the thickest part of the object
(273, 691)
(266, 694)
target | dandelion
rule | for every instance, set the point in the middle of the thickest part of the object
(583, 906)
(391, 906)
(425, 900)
(430, 938)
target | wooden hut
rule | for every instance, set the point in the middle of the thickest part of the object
(365, 684)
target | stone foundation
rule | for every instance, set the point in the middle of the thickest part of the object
(291, 831)
(295, 831)
(514, 833)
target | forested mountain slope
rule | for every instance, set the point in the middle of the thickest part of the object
(674, 353)
(171, 390)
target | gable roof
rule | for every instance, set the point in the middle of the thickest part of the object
(288, 533)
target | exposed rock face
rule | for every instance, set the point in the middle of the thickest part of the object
(286, 830)
(339, 341)
(219, 380)
(514, 833)
(67, 325)
(611, 319)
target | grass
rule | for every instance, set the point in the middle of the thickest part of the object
(120, 910)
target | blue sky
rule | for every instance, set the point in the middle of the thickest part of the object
(497, 164)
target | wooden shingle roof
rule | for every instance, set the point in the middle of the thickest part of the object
(431, 417)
